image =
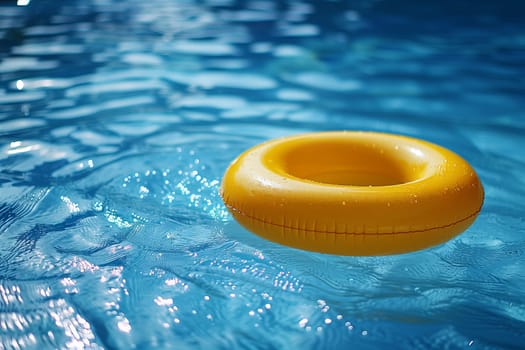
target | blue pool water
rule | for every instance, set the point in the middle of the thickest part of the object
(118, 119)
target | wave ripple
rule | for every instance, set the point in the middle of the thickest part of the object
(118, 119)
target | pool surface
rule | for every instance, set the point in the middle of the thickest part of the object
(118, 119)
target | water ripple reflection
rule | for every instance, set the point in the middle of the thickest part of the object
(118, 119)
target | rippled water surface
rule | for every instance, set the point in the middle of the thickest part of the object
(118, 119)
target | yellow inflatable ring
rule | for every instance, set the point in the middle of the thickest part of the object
(352, 193)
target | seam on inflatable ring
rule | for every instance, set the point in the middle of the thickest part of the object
(356, 233)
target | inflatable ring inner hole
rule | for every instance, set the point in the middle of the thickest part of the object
(346, 163)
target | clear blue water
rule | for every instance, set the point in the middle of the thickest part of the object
(118, 119)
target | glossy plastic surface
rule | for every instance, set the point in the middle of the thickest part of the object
(352, 193)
